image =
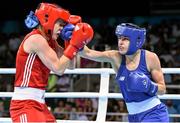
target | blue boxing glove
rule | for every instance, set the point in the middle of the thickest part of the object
(31, 20)
(139, 82)
(66, 32)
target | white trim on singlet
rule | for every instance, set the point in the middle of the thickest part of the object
(28, 69)
(27, 93)
(138, 107)
(23, 118)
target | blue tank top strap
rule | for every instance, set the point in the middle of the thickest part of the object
(142, 65)
(123, 60)
(142, 58)
(122, 65)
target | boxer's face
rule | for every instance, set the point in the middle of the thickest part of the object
(58, 26)
(123, 44)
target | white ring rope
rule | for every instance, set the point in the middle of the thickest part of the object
(102, 95)
(92, 71)
(89, 95)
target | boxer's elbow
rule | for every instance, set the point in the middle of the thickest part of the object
(58, 69)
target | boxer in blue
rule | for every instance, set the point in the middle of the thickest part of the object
(138, 73)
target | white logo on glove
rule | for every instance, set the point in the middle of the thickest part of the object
(76, 28)
(122, 78)
(145, 83)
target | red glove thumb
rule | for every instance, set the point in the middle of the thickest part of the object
(74, 19)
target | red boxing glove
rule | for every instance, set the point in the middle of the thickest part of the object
(82, 35)
(74, 19)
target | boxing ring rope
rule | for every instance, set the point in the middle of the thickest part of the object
(102, 95)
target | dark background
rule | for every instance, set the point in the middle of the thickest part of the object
(18, 9)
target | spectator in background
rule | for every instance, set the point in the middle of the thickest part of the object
(81, 114)
(59, 111)
(171, 110)
(62, 84)
(3, 113)
(121, 108)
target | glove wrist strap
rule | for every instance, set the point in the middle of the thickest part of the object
(70, 51)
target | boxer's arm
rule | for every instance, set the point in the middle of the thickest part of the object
(111, 56)
(37, 44)
(156, 71)
(59, 51)
(99, 56)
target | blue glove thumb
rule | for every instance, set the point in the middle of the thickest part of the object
(31, 21)
(66, 32)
